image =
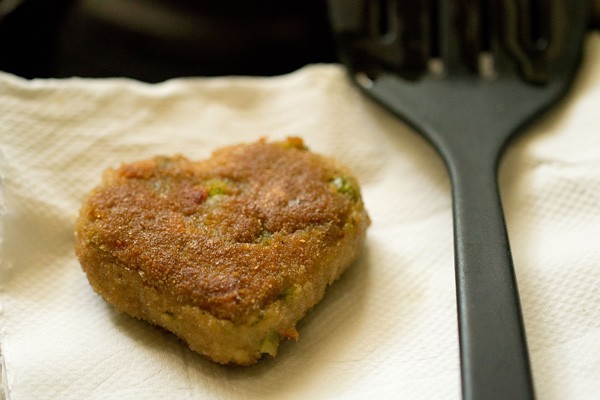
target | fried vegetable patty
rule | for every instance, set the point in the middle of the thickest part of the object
(227, 253)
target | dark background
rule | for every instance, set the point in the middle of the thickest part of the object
(155, 40)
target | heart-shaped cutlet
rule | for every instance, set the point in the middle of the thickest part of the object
(228, 253)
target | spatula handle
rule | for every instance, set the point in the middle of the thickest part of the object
(494, 357)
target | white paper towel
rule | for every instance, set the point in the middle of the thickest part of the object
(387, 329)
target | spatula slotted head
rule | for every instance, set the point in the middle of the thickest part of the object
(536, 37)
(506, 60)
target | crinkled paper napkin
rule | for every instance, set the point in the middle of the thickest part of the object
(386, 329)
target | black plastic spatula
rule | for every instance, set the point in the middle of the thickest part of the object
(467, 75)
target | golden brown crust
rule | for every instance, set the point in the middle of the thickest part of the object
(229, 236)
